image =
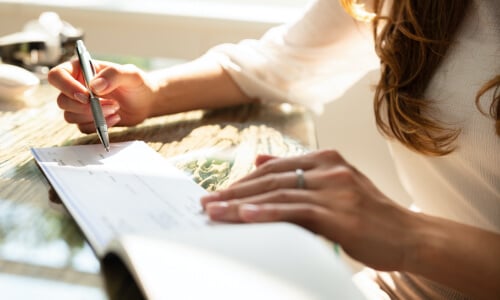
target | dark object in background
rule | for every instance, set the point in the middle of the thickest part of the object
(43, 43)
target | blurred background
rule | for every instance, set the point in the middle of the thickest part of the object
(181, 29)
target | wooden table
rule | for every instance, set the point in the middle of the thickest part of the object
(42, 251)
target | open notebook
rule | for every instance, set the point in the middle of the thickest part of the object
(142, 217)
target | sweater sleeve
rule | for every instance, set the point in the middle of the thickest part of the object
(311, 60)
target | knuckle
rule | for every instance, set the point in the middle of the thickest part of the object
(61, 101)
(84, 129)
(272, 182)
(341, 173)
(310, 216)
(345, 173)
(52, 75)
(281, 195)
(55, 73)
(228, 194)
(268, 166)
(330, 155)
(68, 117)
(310, 211)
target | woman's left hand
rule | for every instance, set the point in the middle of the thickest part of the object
(336, 201)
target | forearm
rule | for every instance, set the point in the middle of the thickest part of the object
(459, 256)
(199, 84)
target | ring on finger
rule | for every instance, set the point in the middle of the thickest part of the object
(301, 183)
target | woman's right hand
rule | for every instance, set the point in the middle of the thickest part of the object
(126, 94)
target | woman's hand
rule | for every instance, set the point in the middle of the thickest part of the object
(337, 202)
(126, 94)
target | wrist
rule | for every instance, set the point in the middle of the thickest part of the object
(158, 84)
(155, 85)
(423, 238)
(432, 245)
(453, 254)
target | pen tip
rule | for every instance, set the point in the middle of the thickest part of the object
(107, 149)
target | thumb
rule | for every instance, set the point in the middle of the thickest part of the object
(116, 76)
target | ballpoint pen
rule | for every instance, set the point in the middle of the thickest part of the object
(95, 105)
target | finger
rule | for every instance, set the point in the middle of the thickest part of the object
(228, 210)
(78, 118)
(89, 127)
(71, 105)
(263, 158)
(116, 76)
(320, 168)
(264, 184)
(67, 78)
(82, 119)
(113, 120)
(277, 165)
(310, 216)
(317, 159)
(79, 112)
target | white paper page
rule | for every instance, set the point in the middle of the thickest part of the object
(131, 189)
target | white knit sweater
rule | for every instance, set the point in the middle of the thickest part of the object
(315, 58)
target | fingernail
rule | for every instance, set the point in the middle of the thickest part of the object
(209, 198)
(113, 120)
(249, 212)
(217, 209)
(109, 109)
(81, 97)
(98, 84)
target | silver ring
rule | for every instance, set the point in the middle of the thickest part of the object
(301, 182)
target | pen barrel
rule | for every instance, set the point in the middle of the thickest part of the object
(96, 108)
(99, 121)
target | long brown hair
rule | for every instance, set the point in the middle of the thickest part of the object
(411, 42)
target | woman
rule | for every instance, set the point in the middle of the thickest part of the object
(436, 103)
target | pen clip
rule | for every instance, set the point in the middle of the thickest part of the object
(92, 67)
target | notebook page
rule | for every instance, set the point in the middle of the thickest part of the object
(129, 190)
